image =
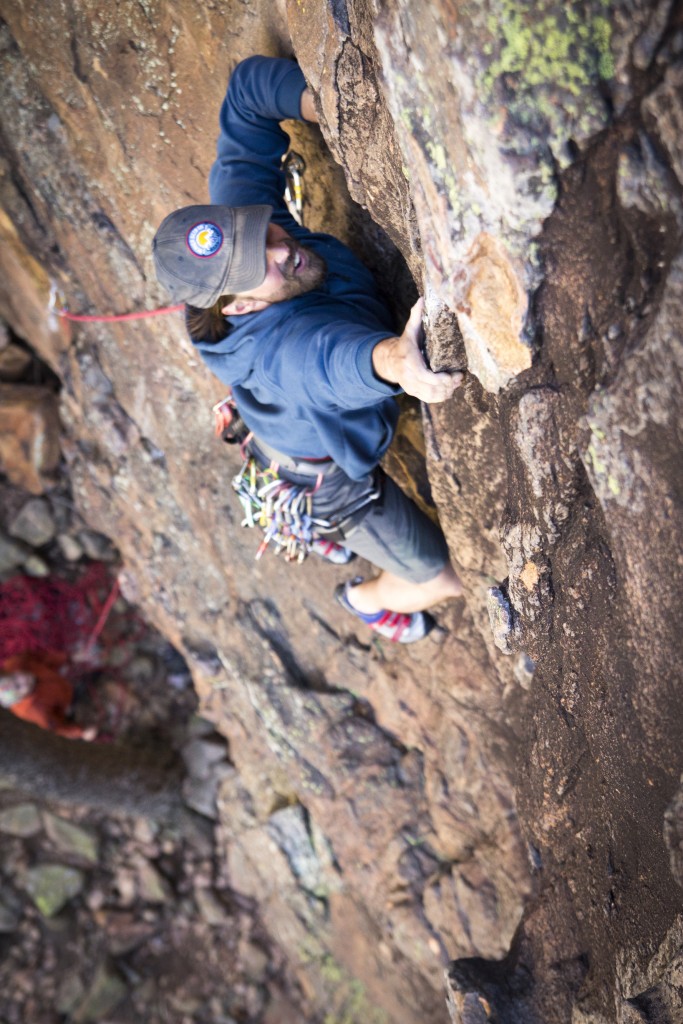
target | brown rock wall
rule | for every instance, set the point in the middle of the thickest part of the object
(353, 735)
(373, 813)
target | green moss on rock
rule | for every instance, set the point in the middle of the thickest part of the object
(547, 46)
(546, 63)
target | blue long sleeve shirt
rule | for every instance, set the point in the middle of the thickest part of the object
(300, 370)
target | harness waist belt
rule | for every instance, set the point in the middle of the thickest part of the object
(291, 463)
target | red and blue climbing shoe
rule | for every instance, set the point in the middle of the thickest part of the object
(331, 552)
(398, 627)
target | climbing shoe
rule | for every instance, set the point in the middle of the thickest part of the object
(398, 627)
(331, 552)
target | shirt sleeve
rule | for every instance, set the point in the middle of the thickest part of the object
(262, 92)
(332, 365)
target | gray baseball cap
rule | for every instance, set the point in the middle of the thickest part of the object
(203, 252)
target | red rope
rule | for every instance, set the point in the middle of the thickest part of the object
(104, 615)
(85, 319)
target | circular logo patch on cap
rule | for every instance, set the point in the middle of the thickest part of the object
(205, 239)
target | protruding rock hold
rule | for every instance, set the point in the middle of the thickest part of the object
(491, 310)
(501, 616)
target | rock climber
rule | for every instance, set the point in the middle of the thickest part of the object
(294, 324)
(33, 688)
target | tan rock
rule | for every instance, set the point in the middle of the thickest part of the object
(491, 316)
(29, 435)
(529, 575)
(69, 547)
(24, 294)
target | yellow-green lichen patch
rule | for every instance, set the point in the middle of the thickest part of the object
(438, 154)
(546, 63)
(544, 46)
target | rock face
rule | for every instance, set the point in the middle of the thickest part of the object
(392, 811)
(29, 449)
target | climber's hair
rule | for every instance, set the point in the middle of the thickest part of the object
(208, 324)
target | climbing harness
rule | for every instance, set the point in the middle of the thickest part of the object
(283, 510)
(294, 165)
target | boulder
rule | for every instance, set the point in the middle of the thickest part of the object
(22, 820)
(70, 839)
(51, 886)
(12, 553)
(34, 523)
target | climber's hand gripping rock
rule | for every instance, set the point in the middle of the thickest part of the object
(400, 361)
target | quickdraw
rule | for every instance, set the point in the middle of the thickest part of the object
(283, 510)
(294, 165)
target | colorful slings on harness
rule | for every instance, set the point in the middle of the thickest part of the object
(283, 510)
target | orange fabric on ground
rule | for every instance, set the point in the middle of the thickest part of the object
(52, 696)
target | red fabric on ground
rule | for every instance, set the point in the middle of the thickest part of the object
(51, 614)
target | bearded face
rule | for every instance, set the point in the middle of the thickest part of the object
(303, 271)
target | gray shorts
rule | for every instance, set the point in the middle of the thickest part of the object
(395, 535)
(391, 531)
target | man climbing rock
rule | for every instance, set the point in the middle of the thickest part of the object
(294, 324)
